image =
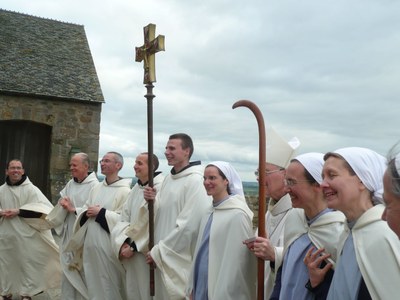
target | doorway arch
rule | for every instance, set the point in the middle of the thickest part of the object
(30, 142)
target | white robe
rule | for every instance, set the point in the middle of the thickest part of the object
(275, 220)
(73, 285)
(181, 203)
(29, 257)
(377, 252)
(104, 273)
(323, 232)
(232, 269)
(134, 224)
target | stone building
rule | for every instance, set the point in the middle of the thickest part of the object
(50, 98)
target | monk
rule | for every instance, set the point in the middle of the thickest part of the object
(130, 237)
(29, 257)
(181, 202)
(73, 197)
(104, 273)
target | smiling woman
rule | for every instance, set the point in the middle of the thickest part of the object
(222, 230)
(268, 28)
(368, 266)
(309, 226)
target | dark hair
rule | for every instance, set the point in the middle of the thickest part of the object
(307, 174)
(186, 141)
(222, 175)
(346, 164)
(156, 163)
(14, 159)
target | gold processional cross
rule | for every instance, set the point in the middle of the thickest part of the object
(147, 52)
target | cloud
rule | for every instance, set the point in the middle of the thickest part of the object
(324, 71)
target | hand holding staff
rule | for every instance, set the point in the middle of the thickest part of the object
(146, 53)
(261, 187)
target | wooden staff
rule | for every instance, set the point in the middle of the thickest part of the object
(261, 187)
(147, 53)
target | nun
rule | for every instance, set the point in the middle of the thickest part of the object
(223, 268)
(368, 264)
(311, 226)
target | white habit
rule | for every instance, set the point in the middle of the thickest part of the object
(275, 220)
(29, 257)
(324, 232)
(378, 256)
(73, 285)
(231, 266)
(134, 224)
(104, 273)
(181, 202)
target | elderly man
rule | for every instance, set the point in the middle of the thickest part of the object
(105, 276)
(73, 197)
(270, 249)
(29, 259)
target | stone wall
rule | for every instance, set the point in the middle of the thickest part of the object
(75, 128)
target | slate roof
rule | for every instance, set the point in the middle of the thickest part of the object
(44, 57)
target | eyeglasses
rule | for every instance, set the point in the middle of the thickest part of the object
(257, 173)
(292, 182)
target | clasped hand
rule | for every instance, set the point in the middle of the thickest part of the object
(9, 213)
(126, 251)
(93, 211)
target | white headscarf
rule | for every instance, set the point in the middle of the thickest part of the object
(369, 166)
(313, 162)
(235, 183)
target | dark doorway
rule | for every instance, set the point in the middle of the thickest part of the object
(30, 142)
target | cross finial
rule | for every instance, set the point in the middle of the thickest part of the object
(147, 52)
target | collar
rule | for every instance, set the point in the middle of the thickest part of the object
(215, 204)
(77, 181)
(191, 164)
(147, 182)
(17, 183)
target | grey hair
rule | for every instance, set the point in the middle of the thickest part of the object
(84, 158)
(393, 169)
(118, 157)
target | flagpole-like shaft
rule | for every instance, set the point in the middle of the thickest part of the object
(146, 53)
(261, 187)
(149, 96)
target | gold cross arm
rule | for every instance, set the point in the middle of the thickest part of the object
(147, 52)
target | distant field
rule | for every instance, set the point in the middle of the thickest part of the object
(250, 188)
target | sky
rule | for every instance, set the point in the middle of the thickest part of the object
(326, 72)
